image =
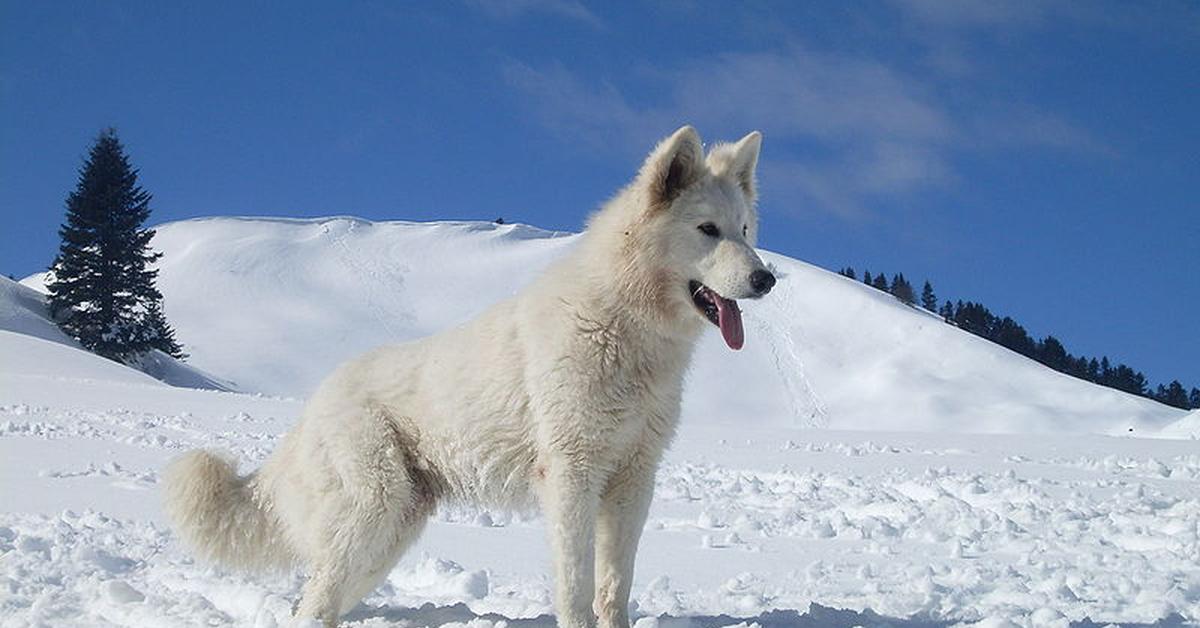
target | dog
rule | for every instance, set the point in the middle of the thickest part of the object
(563, 396)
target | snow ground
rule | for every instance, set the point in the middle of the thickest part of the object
(924, 529)
(905, 508)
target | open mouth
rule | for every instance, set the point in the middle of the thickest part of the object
(722, 312)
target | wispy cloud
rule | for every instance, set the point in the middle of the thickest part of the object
(848, 129)
(597, 115)
(1026, 126)
(977, 13)
(512, 9)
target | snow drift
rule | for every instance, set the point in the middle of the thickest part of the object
(32, 345)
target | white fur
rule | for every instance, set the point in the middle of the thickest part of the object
(564, 396)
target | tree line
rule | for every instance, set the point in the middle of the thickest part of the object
(1006, 332)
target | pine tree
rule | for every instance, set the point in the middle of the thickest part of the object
(158, 332)
(867, 278)
(1174, 395)
(1093, 371)
(1194, 398)
(849, 273)
(928, 298)
(947, 311)
(1052, 353)
(880, 282)
(902, 290)
(101, 287)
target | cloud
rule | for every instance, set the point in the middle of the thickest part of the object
(976, 13)
(845, 132)
(809, 94)
(513, 9)
(798, 93)
(597, 116)
(844, 184)
(1023, 126)
(870, 130)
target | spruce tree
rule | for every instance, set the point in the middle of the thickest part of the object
(947, 311)
(159, 333)
(902, 290)
(1093, 371)
(102, 290)
(867, 277)
(1194, 398)
(1174, 395)
(1052, 353)
(880, 282)
(928, 298)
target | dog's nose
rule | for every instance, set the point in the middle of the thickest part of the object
(762, 281)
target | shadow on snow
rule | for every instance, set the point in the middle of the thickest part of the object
(817, 617)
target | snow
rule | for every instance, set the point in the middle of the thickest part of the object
(987, 491)
(23, 312)
(274, 304)
(1186, 427)
(42, 359)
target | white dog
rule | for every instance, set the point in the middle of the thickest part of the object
(566, 394)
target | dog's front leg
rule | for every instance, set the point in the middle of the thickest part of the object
(623, 509)
(570, 498)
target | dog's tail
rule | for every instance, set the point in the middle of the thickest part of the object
(223, 517)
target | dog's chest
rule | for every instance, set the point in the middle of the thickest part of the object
(637, 387)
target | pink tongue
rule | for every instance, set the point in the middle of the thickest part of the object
(729, 318)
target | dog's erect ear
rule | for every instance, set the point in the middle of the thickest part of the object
(675, 163)
(739, 161)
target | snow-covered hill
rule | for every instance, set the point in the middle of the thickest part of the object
(31, 344)
(757, 517)
(274, 304)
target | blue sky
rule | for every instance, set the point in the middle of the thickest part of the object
(1040, 157)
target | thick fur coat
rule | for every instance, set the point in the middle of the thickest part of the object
(564, 397)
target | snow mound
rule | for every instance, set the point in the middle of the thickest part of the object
(1187, 428)
(28, 357)
(167, 369)
(275, 304)
(23, 312)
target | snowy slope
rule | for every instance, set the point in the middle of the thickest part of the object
(274, 304)
(23, 312)
(756, 518)
(1187, 427)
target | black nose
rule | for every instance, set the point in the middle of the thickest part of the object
(762, 281)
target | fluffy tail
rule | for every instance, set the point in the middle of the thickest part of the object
(220, 515)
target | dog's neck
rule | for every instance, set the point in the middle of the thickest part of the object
(634, 291)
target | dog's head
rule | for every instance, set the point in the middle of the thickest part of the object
(698, 227)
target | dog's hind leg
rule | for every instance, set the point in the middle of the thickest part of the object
(378, 508)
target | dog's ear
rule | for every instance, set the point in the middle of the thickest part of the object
(739, 161)
(675, 163)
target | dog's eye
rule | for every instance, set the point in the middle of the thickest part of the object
(709, 230)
